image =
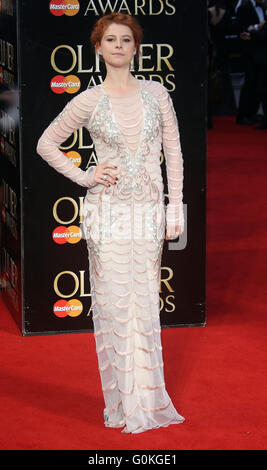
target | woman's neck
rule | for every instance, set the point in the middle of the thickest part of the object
(119, 80)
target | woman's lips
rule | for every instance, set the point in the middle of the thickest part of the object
(117, 53)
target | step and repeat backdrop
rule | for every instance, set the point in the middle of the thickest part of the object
(46, 59)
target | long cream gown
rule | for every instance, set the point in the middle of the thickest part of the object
(124, 226)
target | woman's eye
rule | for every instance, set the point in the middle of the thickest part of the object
(125, 40)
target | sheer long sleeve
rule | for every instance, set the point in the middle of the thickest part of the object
(174, 165)
(74, 115)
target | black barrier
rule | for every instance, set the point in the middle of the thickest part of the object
(10, 231)
(55, 62)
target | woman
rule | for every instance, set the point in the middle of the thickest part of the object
(124, 221)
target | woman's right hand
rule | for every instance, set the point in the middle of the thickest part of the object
(101, 170)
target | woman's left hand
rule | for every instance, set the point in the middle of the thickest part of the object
(173, 232)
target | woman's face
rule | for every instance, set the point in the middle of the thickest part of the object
(117, 45)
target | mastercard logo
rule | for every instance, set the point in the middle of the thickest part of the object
(75, 157)
(63, 308)
(62, 235)
(64, 7)
(60, 84)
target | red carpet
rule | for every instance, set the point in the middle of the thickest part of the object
(50, 387)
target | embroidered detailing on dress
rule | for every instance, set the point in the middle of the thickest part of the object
(102, 124)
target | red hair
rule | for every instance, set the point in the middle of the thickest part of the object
(120, 18)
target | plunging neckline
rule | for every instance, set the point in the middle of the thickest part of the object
(138, 91)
